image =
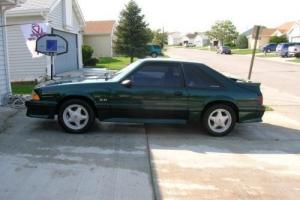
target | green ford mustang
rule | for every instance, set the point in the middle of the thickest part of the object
(151, 91)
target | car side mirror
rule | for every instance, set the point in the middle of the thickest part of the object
(127, 83)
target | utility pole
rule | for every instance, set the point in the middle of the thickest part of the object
(256, 31)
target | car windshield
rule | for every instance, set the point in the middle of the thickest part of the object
(120, 74)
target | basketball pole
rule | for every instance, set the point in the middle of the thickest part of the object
(52, 60)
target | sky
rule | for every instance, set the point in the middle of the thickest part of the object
(198, 15)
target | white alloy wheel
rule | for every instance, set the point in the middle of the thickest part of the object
(219, 120)
(75, 117)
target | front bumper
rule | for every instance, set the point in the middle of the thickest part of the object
(249, 115)
(41, 109)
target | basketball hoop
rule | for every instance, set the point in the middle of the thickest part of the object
(51, 45)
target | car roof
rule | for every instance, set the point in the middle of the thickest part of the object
(169, 60)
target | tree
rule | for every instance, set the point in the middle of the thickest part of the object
(242, 42)
(224, 31)
(160, 38)
(132, 33)
(279, 39)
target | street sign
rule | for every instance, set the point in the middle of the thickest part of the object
(257, 30)
(52, 45)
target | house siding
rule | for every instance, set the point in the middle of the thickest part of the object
(4, 87)
(77, 30)
(102, 45)
(56, 16)
(294, 35)
(22, 65)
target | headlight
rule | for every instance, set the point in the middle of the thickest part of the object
(34, 96)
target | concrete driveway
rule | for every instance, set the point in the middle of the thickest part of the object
(134, 162)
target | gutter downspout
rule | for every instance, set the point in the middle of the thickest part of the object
(3, 10)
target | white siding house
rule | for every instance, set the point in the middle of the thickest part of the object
(4, 74)
(175, 38)
(294, 33)
(64, 17)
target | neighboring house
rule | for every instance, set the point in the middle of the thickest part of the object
(175, 39)
(100, 35)
(189, 38)
(294, 32)
(4, 74)
(290, 29)
(201, 40)
(284, 29)
(264, 37)
(197, 39)
(65, 19)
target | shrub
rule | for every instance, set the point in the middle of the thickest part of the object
(297, 55)
(279, 39)
(231, 45)
(91, 62)
(242, 42)
(87, 53)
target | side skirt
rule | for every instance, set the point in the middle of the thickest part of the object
(146, 121)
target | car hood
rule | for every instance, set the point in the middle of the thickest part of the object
(71, 81)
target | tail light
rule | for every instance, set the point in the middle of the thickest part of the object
(260, 100)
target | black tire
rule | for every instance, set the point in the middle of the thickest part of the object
(154, 55)
(84, 104)
(209, 111)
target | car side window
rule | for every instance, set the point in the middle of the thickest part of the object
(196, 77)
(155, 74)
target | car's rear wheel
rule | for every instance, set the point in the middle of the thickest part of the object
(219, 120)
(76, 116)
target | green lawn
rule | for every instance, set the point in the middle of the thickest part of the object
(296, 60)
(22, 87)
(244, 51)
(115, 63)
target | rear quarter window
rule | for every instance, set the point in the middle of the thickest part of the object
(195, 77)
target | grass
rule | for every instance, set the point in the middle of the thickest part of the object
(296, 60)
(268, 108)
(115, 63)
(22, 87)
(244, 51)
(268, 55)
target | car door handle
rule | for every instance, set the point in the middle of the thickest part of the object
(178, 93)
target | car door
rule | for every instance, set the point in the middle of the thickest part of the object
(156, 91)
(201, 86)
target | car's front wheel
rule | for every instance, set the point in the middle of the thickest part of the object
(154, 55)
(219, 120)
(76, 116)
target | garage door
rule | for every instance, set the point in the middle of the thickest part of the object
(69, 61)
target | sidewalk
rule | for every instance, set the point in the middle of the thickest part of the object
(5, 114)
(284, 103)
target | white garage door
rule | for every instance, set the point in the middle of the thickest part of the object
(69, 61)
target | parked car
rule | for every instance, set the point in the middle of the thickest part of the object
(190, 45)
(151, 91)
(293, 50)
(224, 50)
(267, 48)
(283, 48)
(154, 50)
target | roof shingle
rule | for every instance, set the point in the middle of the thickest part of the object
(34, 5)
(99, 27)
